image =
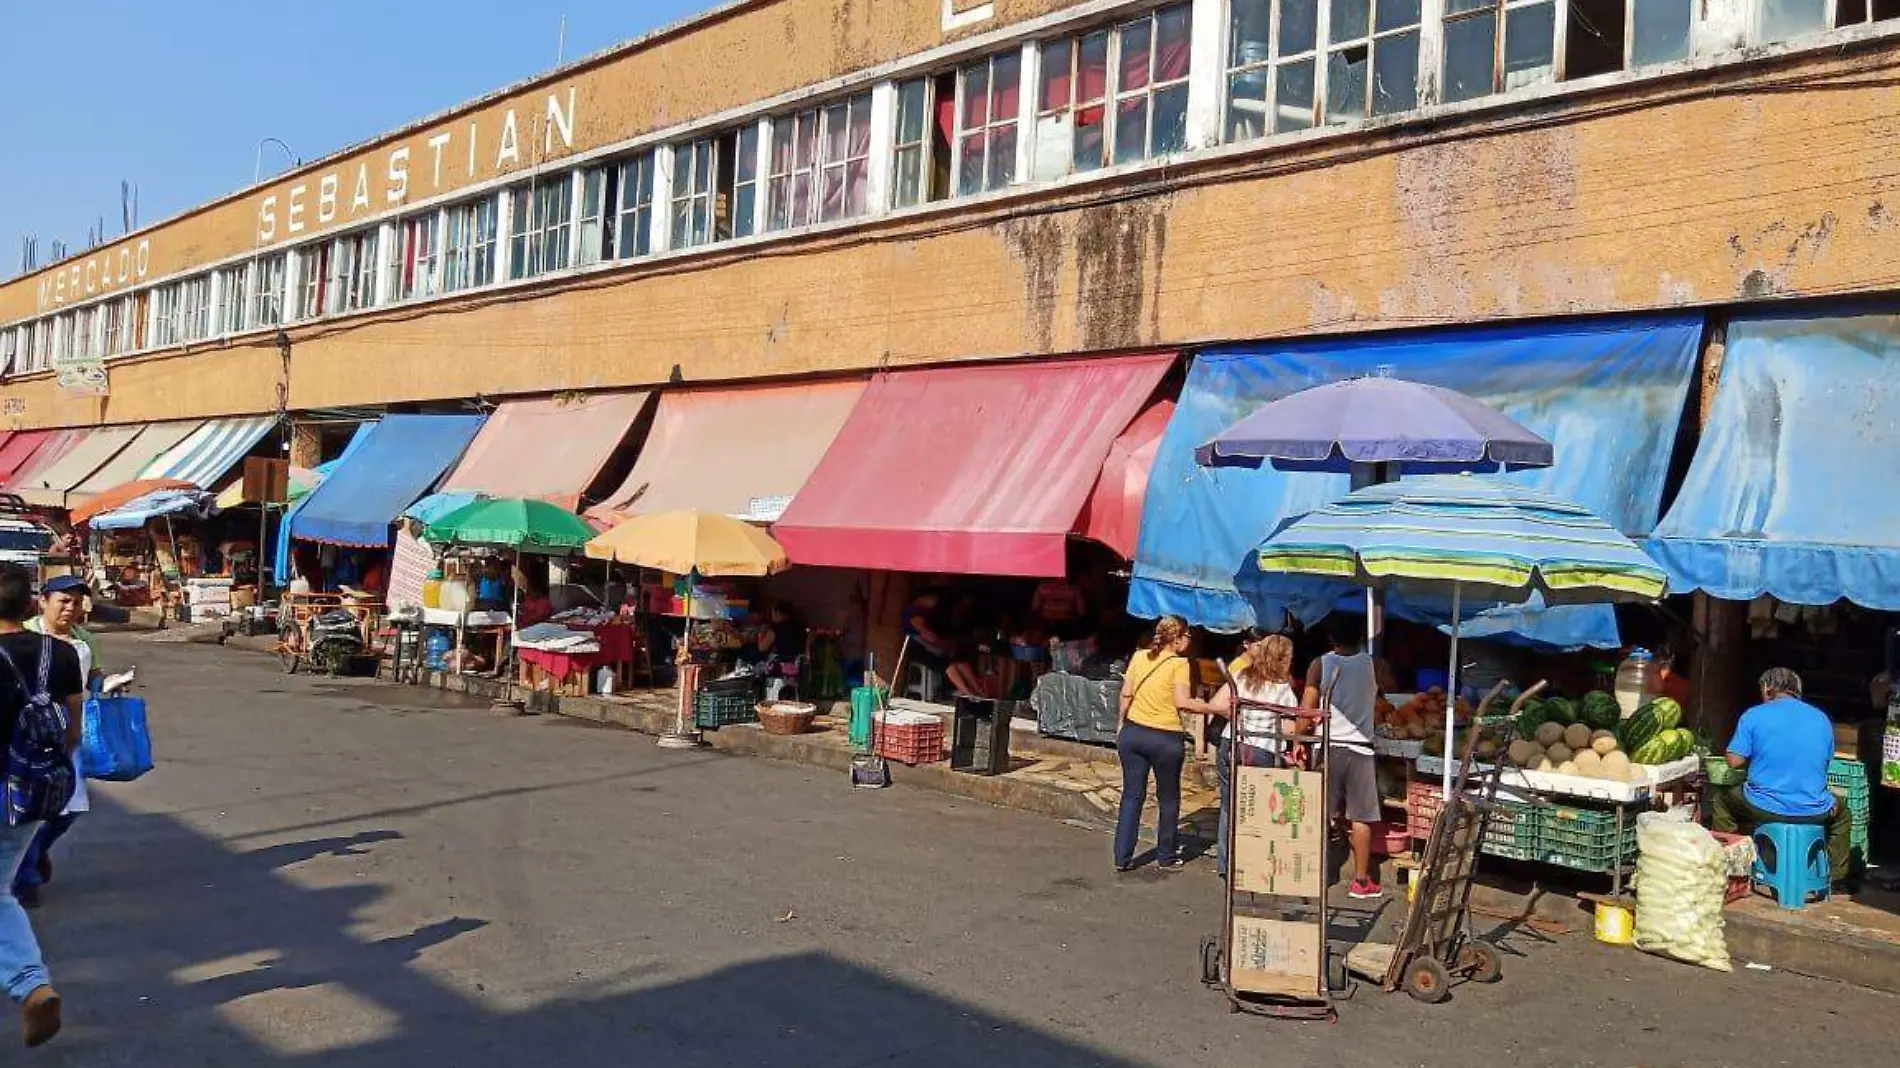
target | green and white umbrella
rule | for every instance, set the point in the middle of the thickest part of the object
(1476, 537)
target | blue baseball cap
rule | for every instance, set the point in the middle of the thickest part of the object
(65, 584)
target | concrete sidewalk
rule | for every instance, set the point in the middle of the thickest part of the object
(1081, 785)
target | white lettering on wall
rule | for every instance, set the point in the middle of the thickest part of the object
(438, 143)
(399, 175)
(296, 207)
(510, 150)
(143, 260)
(125, 265)
(359, 200)
(559, 120)
(92, 277)
(326, 197)
(267, 218)
(474, 138)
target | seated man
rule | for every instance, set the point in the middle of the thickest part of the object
(1786, 745)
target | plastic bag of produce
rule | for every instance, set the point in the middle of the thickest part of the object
(1680, 877)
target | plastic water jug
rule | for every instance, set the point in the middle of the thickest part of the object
(432, 589)
(604, 680)
(436, 649)
(1638, 678)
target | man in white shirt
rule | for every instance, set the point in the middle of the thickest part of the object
(1349, 674)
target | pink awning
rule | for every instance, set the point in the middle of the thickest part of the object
(973, 470)
(549, 450)
(742, 452)
(19, 450)
(1113, 515)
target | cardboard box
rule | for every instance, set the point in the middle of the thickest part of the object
(1279, 836)
(1281, 957)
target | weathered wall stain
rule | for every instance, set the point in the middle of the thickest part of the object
(1111, 244)
(1038, 244)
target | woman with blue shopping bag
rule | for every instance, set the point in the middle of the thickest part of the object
(62, 605)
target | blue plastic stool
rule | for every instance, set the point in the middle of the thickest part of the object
(1791, 862)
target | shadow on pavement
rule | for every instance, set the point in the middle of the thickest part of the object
(172, 950)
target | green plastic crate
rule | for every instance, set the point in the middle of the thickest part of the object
(712, 711)
(1720, 774)
(1848, 778)
(1584, 838)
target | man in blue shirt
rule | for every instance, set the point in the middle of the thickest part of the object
(1786, 744)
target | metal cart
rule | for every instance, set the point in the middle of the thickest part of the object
(1435, 941)
(1271, 957)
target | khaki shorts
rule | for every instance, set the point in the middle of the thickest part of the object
(1353, 779)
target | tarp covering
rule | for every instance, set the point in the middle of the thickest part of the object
(397, 462)
(973, 470)
(211, 450)
(49, 484)
(19, 450)
(1113, 516)
(1795, 487)
(549, 450)
(738, 452)
(152, 441)
(280, 551)
(158, 504)
(1608, 394)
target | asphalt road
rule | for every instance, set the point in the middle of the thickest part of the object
(342, 873)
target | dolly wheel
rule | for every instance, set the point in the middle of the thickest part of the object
(1481, 961)
(1210, 961)
(1427, 980)
(1336, 977)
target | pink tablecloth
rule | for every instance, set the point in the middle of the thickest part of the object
(616, 646)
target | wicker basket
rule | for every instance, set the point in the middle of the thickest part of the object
(787, 717)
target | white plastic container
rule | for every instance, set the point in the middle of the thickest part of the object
(1638, 678)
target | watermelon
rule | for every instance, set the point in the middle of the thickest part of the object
(1600, 710)
(1665, 746)
(1668, 713)
(1529, 718)
(1560, 710)
(1635, 732)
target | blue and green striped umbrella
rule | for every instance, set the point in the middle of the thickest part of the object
(1497, 541)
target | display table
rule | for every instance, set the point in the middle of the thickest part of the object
(616, 648)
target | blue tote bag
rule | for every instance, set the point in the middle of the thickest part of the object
(117, 746)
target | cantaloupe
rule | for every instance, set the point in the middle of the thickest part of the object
(1568, 767)
(1616, 765)
(1550, 734)
(1589, 763)
(1544, 764)
(1577, 736)
(1604, 742)
(1559, 753)
(1526, 753)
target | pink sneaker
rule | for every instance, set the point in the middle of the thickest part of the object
(1365, 890)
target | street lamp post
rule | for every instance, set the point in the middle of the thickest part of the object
(257, 167)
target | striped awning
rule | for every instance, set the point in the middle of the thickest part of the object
(210, 451)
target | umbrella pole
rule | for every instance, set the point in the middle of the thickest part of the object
(1451, 688)
(680, 737)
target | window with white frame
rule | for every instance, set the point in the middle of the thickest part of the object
(632, 200)
(267, 291)
(112, 336)
(1294, 64)
(744, 216)
(1114, 96)
(597, 187)
(695, 173)
(468, 248)
(234, 296)
(1492, 46)
(9, 350)
(1612, 35)
(353, 264)
(194, 308)
(415, 265)
(538, 237)
(1782, 20)
(36, 342)
(313, 280)
(916, 146)
(989, 94)
(820, 164)
(164, 315)
(85, 331)
(62, 337)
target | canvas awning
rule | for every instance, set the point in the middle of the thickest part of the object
(1607, 393)
(738, 452)
(1794, 490)
(19, 451)
(153, 441)
(50, 485)
(209, 451)
(974, 470)
(1113, 516)
(394, 462)
(550, 449)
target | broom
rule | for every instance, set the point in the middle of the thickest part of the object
(870, 771)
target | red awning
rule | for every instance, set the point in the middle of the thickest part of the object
(972, 470)
(26, 447)
(1113, 516)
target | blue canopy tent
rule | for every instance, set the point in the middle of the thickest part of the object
(1608, 394)
(280, 558)
(157, 504)
(397, 461)
(1795, 487)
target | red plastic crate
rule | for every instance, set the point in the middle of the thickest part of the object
(913, 744)
(1391, 839)
(1511, 832)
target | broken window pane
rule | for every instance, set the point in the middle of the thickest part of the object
(1346, 72)
(1781, 19)
(1395, 74)
(1470, 56)
(1299, 26)
(1529, 33)
(1662, 31)
(1293, 96)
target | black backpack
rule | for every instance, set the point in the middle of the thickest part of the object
(39, 772)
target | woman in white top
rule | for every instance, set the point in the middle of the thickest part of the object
(1263, 674)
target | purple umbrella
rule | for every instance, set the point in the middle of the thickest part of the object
(1340, 426)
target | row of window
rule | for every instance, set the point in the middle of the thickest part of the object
(1102, 97)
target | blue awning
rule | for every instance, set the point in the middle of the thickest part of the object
(157, 504)
(1795, 487)
(208, 452)
(1607, 393)
(280, 552)
(436, 505)
(397, 461)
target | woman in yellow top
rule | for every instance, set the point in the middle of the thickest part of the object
(1155, 692)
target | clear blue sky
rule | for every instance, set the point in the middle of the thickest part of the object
(174, 95)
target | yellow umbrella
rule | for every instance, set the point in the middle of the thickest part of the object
(689, 541)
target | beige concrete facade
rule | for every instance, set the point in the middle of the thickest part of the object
(1706, 188)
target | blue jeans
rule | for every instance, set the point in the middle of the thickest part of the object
(50, 832)
(1144, 750)
(20, 965)
(1252, 757)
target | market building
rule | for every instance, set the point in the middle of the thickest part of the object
(705, 224)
